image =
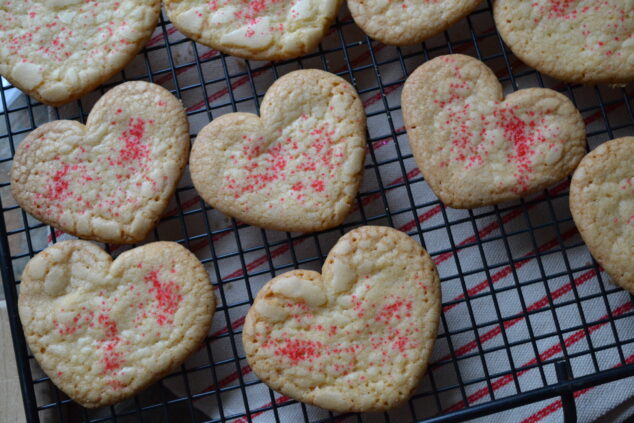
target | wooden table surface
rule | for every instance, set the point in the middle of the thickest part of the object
(11, 408)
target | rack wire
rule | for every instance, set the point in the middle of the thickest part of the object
(567, 320)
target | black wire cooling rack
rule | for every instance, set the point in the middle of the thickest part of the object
(528, 315)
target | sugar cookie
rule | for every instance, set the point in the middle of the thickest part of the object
(584, 41)
(405, 22)
(103, 330)
(476, 148)
(295, 168)
(111, 179)
(255, 29)
(58, 50)
(356, 337)
(602, 205)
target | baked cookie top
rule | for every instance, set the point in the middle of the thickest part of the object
(584, 41)
(475, 147)
(103, 330)
(602, 205)
(255, 29)
(356, 337)
(295, 168)
(58, 50)
(404, 22)
(111, 179)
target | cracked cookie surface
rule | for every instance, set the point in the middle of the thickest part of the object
(103, 330)
(58, 50)
(474, 146)
(583, 41)
(602, 205)
(255, 29)
(356, 337)
(295, 168)
(111, 179)
(405, 22)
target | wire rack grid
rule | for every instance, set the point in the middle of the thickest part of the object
(524, 305)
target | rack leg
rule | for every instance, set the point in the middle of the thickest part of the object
(568, 399)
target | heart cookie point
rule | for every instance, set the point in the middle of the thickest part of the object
(406, 23)
(476, 148)
(103, 330)
(56, 51)
(255, 30)
(297, 167)
(581, 41)
(110, 180)
(351, 342)
(602, 205)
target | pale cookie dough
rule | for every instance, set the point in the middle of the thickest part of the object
(103, 330)
(583, 41)
(255, 29)
(476, 148)
(58, 50)
(111, 179)
(355, 338)
(602, 205)
(298, 167)
(405, 22)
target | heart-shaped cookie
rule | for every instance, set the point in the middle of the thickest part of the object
(356, 337)
(255, 29)
(584, 41)
(476, 148)
(298, 167)
(58, 50)
(405, 22)
(602, 205)
(111, 179)
(103, 330)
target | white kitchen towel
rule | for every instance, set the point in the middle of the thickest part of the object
(522, 262)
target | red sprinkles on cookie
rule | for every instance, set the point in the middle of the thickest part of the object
(255, 29)
(475, 147)
(110, 179)
(295, 168)
(473, 135)
(57, 51)
(116, 326)
(582, 41)
(369, 320)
